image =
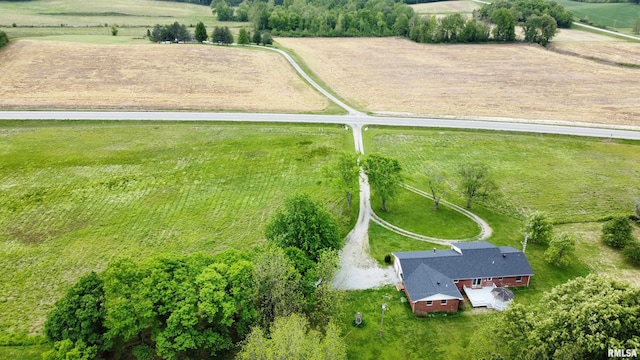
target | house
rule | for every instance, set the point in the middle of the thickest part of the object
(434, 280)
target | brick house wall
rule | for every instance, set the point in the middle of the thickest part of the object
(421, 308)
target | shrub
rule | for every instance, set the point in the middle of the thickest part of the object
(617, 232)
(538, 228)
(4, 39)
(387, 259)
(632, 252)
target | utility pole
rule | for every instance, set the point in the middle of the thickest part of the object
(384, 307)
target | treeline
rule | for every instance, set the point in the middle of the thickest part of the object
(199, 306)
(4, 39)
(329, 18)
(173, 32)
(198, 2)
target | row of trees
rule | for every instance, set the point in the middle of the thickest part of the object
(200, 305)
(539, 18)
(538, 229)
(385, 175)
(172, 32)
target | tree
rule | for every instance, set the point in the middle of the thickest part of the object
(257, 37)
(328, 301)
(68, 350)
(201, 32)
(580, 319)
(475, 181)
(617, 232)
(243, 37)
(4, 39)
(291, 338)
(222, 35)
(114, 30)
(276, 284)
(344, 175)
(561, 247)
(223, 11)
(505, 25)
(266, 38)
(304, 224)
(540, 29)
(384, 175)
(437, 185)
(80, 314)
(538, 228)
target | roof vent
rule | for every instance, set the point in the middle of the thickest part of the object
(504, 255)
(438, 282)
(434, 250)
(493, 262)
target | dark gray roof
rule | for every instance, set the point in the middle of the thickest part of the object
(478, 259)
(425, 282)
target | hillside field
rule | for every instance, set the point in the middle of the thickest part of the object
(390, 75)
(74, 196)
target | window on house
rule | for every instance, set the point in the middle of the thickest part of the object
(455, 281)
(443, 302)
(477, 282)
(518, 278)
(500, 278)
(429, 302)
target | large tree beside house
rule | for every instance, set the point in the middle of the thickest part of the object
(476, 182)
(581, 319)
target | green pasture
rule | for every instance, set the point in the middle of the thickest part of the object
(76, 195)
(573, 179)
(613, 15)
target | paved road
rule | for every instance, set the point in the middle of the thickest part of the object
(351, 120)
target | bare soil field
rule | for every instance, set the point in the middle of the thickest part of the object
(61, 75)
(446, 7)
(599, 47)
(511, 80)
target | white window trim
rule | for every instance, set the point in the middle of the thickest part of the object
(429, 303)
(518, 278)
(443, 302)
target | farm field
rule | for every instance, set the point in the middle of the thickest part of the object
(78, 13)
(387, 75)
(74, 196)
(621, 16)
(150, 77)
(572, 179)
(590, 45)
(446, 7)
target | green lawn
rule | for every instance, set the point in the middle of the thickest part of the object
(573, 179)
(614, 15)
(417, 214)
(75, 195)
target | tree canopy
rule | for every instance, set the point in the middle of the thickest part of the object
(4, 39)
(344, 174)
(475, 181)
(538, 228)
(384, 176)
(580, 319)
(201, 32)
(617, 232)
(304, 224)
(560, 249)
(173, 32)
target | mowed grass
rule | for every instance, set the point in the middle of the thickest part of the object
(572, 179)
(406, 336)
(615, 15)
(74, 196)
(417, 214)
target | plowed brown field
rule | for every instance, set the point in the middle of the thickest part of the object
(511, 80)
(60, 75)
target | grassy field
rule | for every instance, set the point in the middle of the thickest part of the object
(393, 75)
(151, 76)
(621, 16)
(74, 196)
(572, 179)
(446, 7)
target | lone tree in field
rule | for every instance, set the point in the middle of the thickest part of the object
(384, 176)
(344, 175)
(304, 224)
(560, 249)
(114, 29)
(201, 32)
(617, 232)
(538, 228)
(475, 181)
(437, 186)
(243, 37)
